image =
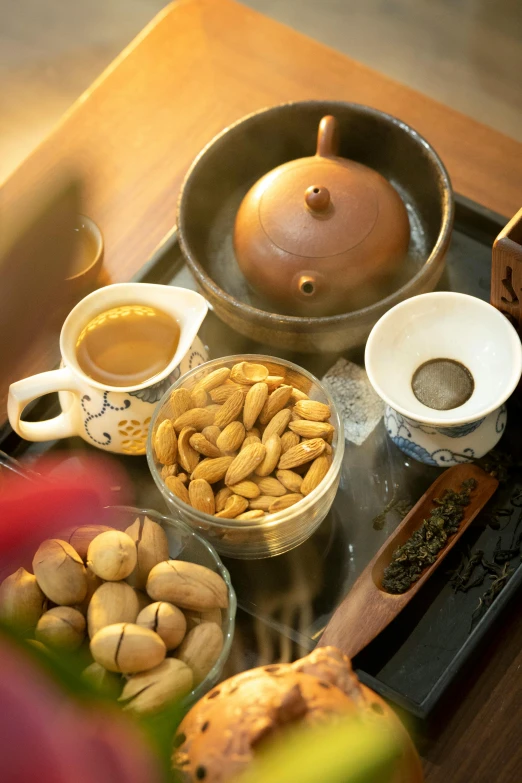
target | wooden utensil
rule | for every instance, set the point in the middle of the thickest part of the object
(368, 609)
(506, 272)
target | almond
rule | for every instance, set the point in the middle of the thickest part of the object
(245, 463)
(212, 469)
(278, 424)
(262, 503)
(213, 408)
(201, 496)
(235, 505)
(254, 401)
(275, 403)
(211, 433)
(285, 502)
(222, 497)
(232, 437)
(176, 486)
(255, 431)
(165, 443)
(289, 439)
(297, 395)
(230, 410)
(315, 474)
(268, 485)
(198, 398)
(273, 452)
(247, 489)
(187, 456)
(250, 439)
(247, 373)
(196, 417)
(312, 410)
(222, 393)
(252, 514)
(311, 429)
(292, 481)
(183, 478)
(203, 446)
(169, 470)
(273, 381)
(213, 379)
(304, 452)
(180, 402)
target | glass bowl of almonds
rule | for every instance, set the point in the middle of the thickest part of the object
(248, 450)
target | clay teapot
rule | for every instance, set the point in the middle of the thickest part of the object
(321, 235)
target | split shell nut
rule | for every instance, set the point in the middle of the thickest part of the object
(166, 620)
(152, 548)
(196, 618)
(200, 649)
(100, 678)
(112, 555)
(187, 585)
(61, 628)
(80, 537)
(60, 572)
(128, 648)
(150, 691)
(112, 602)
(22, 603)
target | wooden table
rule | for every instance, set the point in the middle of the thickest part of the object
(200, 65)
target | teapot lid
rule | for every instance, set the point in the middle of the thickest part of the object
(322, 205)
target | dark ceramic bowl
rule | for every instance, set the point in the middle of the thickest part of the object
(225, 170)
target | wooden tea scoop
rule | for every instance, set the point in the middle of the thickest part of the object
(368, 609)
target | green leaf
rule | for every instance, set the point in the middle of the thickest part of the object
(344, 752)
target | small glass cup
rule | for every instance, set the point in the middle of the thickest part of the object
(275, 533)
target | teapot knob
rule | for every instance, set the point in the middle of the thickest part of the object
(317, 198)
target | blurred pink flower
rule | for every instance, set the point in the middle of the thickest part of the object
(46, 737)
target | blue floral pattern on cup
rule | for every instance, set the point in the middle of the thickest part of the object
(432, 445)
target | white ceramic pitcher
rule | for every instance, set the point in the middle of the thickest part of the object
(110, 417)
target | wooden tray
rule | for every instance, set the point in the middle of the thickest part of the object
(285, 602)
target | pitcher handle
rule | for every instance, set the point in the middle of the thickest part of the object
(28, 389)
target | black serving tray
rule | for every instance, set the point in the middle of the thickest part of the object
(285, 602)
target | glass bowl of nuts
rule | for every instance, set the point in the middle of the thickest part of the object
(248, 451)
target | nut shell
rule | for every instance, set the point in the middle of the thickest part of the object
(60, 572)
(81, 537)
(102, 679)
(200, 649)
(152, 690)
(187, 585)
(22, 603)
(128, 648)
(61, 627)
(151, 548)
(112, 555)
(112, 602)
(166, 620)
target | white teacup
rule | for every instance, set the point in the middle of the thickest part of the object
(444, 325)
(110, 417)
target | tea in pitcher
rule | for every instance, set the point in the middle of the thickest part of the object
(127, 345)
